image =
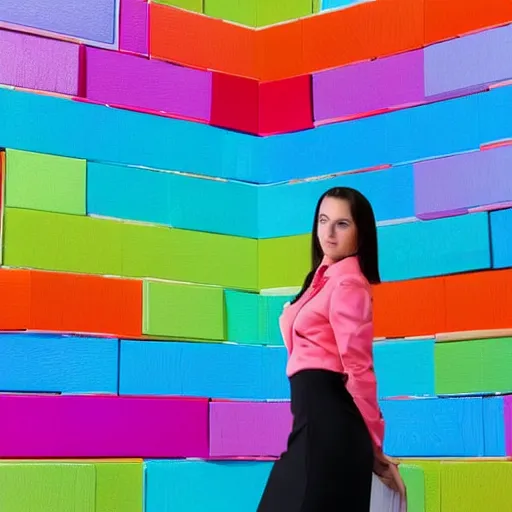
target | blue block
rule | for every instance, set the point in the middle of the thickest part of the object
(434, 427)
(501, 237)
(494, 427)
(57, 364)
(336, 4)
(432, 248)
(279, 215)
(405, 367)
(203, 369)
(494, 120)
(198, 486)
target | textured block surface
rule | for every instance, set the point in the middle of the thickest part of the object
(501, 238)
(242, 316)
(133, 26)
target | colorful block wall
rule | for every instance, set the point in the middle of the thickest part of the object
(160, 164)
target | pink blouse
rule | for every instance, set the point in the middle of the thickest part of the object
(330, 327)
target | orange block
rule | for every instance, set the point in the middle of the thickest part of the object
(409, 308)
(446, 19)
(60, 302)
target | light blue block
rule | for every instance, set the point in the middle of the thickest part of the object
(405, 367)
(494, 426)
(280, 216)
(199, 486)
(433, 248)
(501, 237)
(493, 116)
(57, 364)
(336, 4)
(434, 427)
(203, 369)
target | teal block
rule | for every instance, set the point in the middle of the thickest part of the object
(271, 308)
(242, 312)
(198, 486)
(501, 235)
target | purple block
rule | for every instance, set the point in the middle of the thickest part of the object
(34, 62)
(369, 86)
(458, 183)
(469, 62)
(508, 424)
(133, 29)
(102, 426)
(91, 20)
(249, 429)
(138, 82)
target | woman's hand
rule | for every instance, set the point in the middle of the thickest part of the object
(388, 473)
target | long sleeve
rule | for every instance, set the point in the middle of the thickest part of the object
(350, 315)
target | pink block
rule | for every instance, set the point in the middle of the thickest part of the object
(385, 83)
(34, 62)
(102, 426)
(249, 429)
(508, 424)
(133, 30)
(122, 79)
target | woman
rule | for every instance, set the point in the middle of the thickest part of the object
(337, 436)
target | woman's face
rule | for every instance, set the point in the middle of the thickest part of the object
(337, 232)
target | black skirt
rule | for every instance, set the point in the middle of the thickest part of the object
(328, 463)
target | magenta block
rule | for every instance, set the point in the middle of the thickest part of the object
(249, 429)
(370, 86)
(123, 79)
(133, 30)
(102, 426)
(34, 62)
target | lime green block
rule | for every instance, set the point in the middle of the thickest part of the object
(119, 487)
(432, 482)
(192, 256)
(45, 182)
(317, 6)
(184, 311)
(189, 5)
(414, 480)
(47, 487)
(473, 366)
(476, 486)
(242, 316)
(67, 243)
(284, 261)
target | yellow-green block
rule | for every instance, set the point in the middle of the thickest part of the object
(119, 487)
(45, 182)
(184, 311)
(284, 261)
(432, 481)
(47, 487)
(189, 5)
(414, 480)
(476, 486)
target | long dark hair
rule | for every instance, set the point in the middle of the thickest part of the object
(364, 219)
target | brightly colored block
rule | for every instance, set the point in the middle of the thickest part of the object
(93, 20)
(183, 311)
(336, 4)
(507, 407)
(242, 316)
(58, 364)
(249, 429)
(464, 63)
(38, 63)
(45, 182)
(474, 366)
(433, 427)
(438, 247)
(189, 5)
(495, 426)
(133, 26)
(271, 308)
(457, 183)
(414, 480)
(102, 426)
(501, 238)
(172, 485)
(370, 86)
(114, 78)
(404, 367)
(195, 369)
(40, 487)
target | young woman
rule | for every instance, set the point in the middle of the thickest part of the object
(336, 441)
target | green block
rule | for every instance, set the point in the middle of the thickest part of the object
(284, 261)
(317, 6)
(67, 243)
(183, 311)
(119, 487)
(414, 480)
(45, 182)
(189, 5)
(474, 366)
(476, 486)
(242, 316)
(432, 482)
(271, 308)
(47, 487)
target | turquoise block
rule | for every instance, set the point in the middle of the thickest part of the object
(337, 4)
(431, 248)
(271, 308)
(197, 486)
(242, 313)
(404, 367)
(501, 237)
